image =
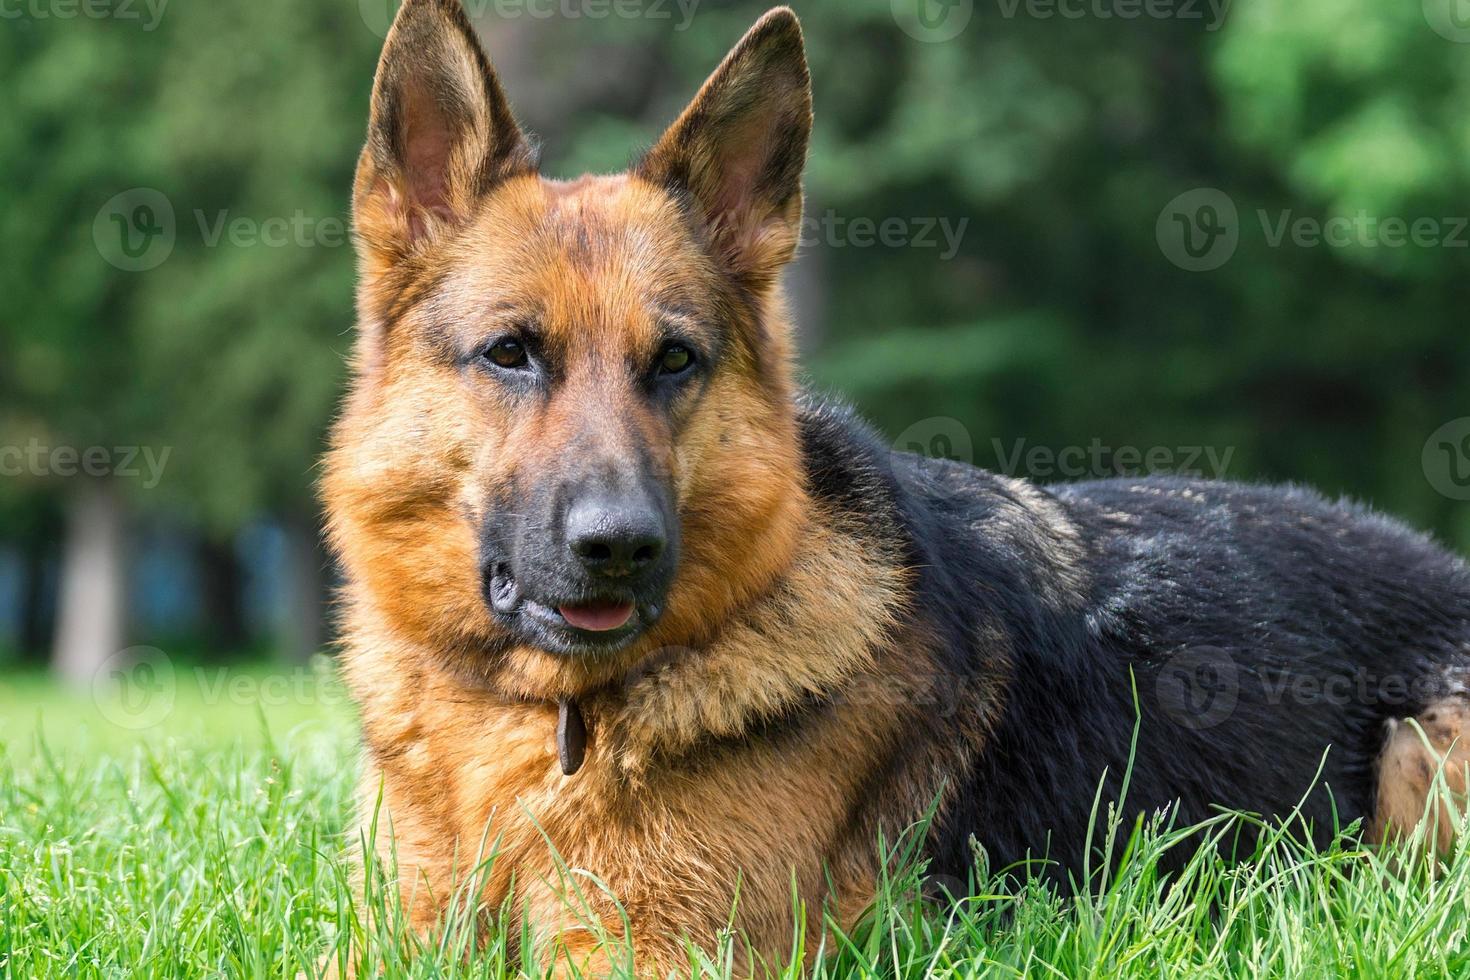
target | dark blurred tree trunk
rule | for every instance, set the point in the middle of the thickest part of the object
(92, 591)
(222, 594)
(35, 599)
(302, 630)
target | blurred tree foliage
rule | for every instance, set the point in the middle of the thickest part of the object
(1060, 321)
(230, 354)
(247, 119)
(1052, 143)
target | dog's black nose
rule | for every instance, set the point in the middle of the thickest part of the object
(615, 538)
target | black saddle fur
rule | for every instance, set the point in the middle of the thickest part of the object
(1268, 634)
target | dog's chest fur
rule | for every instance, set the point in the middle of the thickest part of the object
(768, 756)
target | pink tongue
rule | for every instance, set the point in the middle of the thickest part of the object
(599, 618)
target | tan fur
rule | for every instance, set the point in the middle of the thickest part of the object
(1422, 777)
(670, 839)
(777, 603)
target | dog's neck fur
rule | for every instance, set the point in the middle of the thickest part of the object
(816, 624)
(821, 624)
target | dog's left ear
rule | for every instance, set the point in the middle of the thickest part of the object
(441, 134)
(738, 151)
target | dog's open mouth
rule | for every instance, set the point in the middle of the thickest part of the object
(582, 624)
(597, 617)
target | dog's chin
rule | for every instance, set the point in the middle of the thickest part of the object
(539, 622)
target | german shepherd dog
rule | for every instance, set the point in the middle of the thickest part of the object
(622, 598)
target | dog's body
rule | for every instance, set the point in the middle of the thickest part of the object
(575, 486)
(1255, 626)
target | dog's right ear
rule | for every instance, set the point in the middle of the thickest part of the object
(737, 152)
(441, 134)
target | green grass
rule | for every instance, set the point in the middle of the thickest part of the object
(213, 844)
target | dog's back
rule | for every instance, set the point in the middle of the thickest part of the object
(1267, 634)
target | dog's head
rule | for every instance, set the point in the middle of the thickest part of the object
(570, 438)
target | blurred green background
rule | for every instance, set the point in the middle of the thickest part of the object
(1061, 238)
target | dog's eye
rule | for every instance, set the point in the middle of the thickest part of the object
(675, 359)
(507, 353)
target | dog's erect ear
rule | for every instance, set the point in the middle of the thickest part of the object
(440, 135)
(738, 150)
